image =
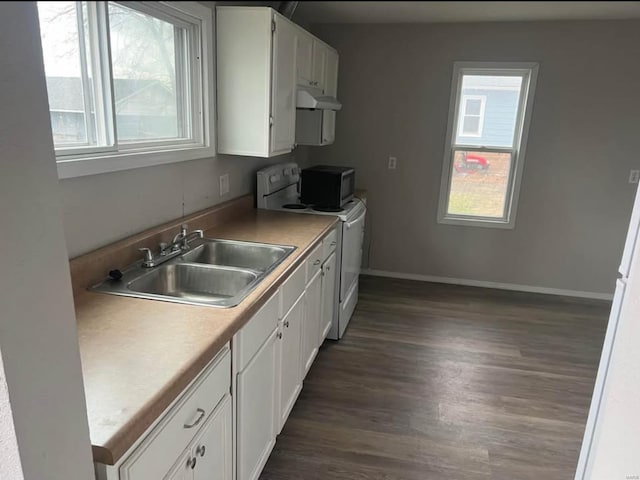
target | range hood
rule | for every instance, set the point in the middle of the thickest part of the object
(314, 99)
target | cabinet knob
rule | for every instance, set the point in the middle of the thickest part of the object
(280, 335)
(317, 262)
(191, 463)
(286, 324)
(201, 450)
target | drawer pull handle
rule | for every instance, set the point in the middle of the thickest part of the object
(333, 244)
(317, 262)
(201, 450)
(201, 414)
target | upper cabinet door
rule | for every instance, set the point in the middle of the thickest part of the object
(283, 102)
(331, 74)
(330, 89)
(304, 58)
(319, 58)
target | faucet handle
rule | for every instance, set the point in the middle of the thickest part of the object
(148, 256)
(184, 228)
(163, 246)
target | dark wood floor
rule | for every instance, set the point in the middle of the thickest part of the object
(444, 382)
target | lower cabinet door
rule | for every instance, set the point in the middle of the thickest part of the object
(182, 469)
(290, 379)
(311, 322)
(211, 453)
(329, 278)
(256, 405)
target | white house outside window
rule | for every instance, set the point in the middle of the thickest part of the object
(127, 83)
(472, 115)
(489, 119)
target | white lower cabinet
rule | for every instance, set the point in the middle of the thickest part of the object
(200, 416)
(224, 425)
(256, 404)
(311, 326)
(209, 455)
(329, 278)
(289, 377)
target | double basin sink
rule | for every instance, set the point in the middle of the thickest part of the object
(217, 273)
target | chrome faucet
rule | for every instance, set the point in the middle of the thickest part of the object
(179, 244)
(182, 238)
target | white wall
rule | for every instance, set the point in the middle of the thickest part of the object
(101, 209)
(575, 200)
(38, 339)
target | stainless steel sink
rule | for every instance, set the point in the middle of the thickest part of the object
(204, 284)
(256, 256)
(217, 273)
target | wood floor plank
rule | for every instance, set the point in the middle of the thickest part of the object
(442, 382)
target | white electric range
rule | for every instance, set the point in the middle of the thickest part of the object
(278, 189)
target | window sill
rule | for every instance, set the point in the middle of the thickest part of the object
(80, 167)
(464, 222)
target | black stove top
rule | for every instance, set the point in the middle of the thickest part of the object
(326, 208)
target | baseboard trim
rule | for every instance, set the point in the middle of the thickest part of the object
(483, 284)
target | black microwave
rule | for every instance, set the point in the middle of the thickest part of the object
(327, 186)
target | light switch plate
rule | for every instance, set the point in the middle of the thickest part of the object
(634, 176)
(224, 184)
(393, 163)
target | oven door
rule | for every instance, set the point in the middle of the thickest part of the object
(352, 236)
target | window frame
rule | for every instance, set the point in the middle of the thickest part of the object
(483, 103)
(82, 161)
(529, 73)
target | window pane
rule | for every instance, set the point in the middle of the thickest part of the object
(71, 110)
(473, 106)
(498, 117)
(479, 184)
(143, 50)
(471, 125)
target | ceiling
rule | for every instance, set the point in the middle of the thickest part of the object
(430, 12)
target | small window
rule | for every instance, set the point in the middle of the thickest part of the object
(472, 116)
(126, 80)
(486, 137)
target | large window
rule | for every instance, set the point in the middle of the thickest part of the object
(486, 137)
(127, 83)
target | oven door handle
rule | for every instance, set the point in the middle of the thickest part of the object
(353, 222)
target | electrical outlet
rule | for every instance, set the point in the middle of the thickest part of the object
(224, 184)
(393, 163)
(634, 176)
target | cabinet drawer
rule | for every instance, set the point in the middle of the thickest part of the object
(329, 244)
(292, 288)
(157, 453)
(314, 262)
(250, 337)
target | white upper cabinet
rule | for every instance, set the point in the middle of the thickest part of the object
(320, 51)
(256, 81)
(312, 61)
(304, 58)
(262, 57)
(330, 89)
